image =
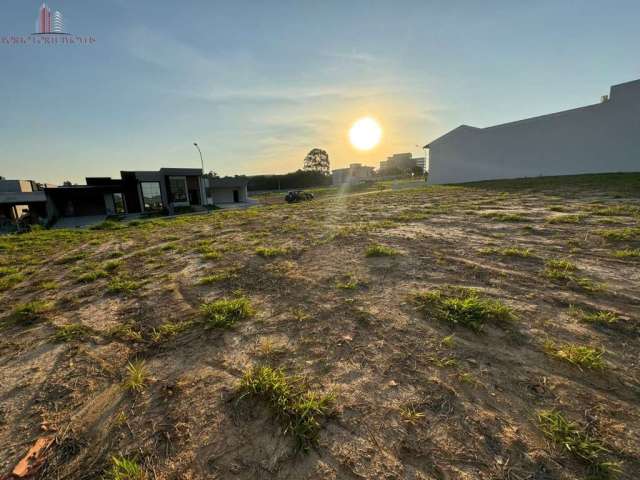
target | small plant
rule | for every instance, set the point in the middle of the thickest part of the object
(225, 313)
(579, 355)
(169, 246)
(602, 317)
(126, 332)
(508, 252)
(49, 285)
(8, 281)
(215, 277)
(349, 282)
(620, 234)
(268, 252)
(377, 250)
(463, 307)
(300, 315)
(123, 468)
(447, 341)
(168, 330)
(111, 265)
(136, 377)
(577, 441)
(123, 285)
(299, 410)
(559, 269)
(410, 414)
(74, 331)
(92, 276)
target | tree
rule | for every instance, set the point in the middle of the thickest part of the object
(317, 160)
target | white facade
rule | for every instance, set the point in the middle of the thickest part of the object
(604, 137)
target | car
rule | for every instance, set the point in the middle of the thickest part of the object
(298, 196)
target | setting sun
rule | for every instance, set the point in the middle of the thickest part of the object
(365, 133)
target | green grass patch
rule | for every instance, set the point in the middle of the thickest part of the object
(506, 217)
(348, 282)
(226, 312)
(377, 250)
(268, 252)
(49, 285)
(216, 277)
(299, 409)
(74, 331)
(92, 275)
(620, 234)
(565, 219)
(26, 313)
(508, 252)
(10, 280)
(123, 468)
(169, 330)
(598, 317)
(559, 269)
(627, 253)
(462, 306)
(580, 355)
(577, 441)
(111, 265)
(123, 285)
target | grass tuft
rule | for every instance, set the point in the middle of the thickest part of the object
(627, 253)
(136, 377)
(123, 468)
(463, 307)
(74, 331)
(268, 252)
(299, 410)
(377, 250)
(225, 313)
(580, 355)
(29, 312)
(123, 285)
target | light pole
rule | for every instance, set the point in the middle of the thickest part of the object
(203, 190)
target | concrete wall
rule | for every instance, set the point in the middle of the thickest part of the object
(225, 194)
(604, 137)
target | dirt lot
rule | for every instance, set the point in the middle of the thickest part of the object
(531, 371)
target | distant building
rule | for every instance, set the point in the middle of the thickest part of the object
(226, 190)
(355, 173)
(603, 137)
(401, 163)
(18, 196)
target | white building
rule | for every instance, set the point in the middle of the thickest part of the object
(354, 174)
(604, 137)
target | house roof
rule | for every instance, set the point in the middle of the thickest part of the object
(228, 182)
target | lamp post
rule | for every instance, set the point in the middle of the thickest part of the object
(203, 190)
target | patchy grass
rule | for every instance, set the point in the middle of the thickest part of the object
(136, 376)
(580, 355)
(269, 252)
(559, 269)
(377, 250)
(575, 440)
(508, 252)
(627, 253)
(620, 234)
(49, 285)
(410, 414)
(506, 217)
(111, 265)
(226, 312)
(74, 331)
(10, 280)
(92, 275)
(299, 410)
(566, 219)
(348, 282)
(123, 468)
(26, 313)
(463, 307)
(216, 277)
(123, 285)
(599, 317)
(169, 330)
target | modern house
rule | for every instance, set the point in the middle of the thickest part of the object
(18, 196)
(604, 137)
(354, 174)
(166, 190)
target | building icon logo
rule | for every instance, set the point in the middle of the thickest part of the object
(48, 23)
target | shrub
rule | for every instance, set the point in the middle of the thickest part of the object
(463, 307)
(225, 313)
(377, 250)
(298, 409)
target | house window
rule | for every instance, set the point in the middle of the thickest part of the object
(151, 197)
(118, 203)
(178, 190)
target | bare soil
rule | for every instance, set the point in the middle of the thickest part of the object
(476, 395)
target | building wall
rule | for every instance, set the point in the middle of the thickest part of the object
(355, 173)
(225, 194)
(604, 137)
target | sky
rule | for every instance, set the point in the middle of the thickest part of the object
(260, 83)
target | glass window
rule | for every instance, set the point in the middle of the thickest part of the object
(118, 202)
(178, 189)
(151, 196)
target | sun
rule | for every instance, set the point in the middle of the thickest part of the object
(365, 133)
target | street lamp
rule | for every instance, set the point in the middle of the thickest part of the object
(203, 190)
